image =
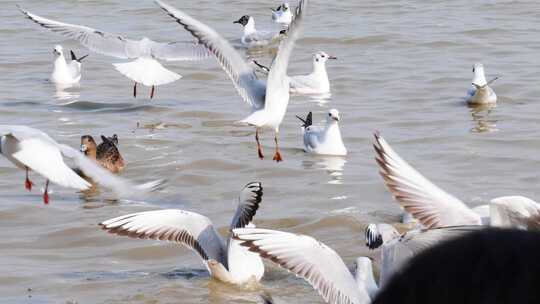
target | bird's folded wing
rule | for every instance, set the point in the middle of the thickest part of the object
(45, 158)
(430, 205)
(248, 204)
(241, 73)
(192, 230)
(179, 51)
(307, 258)
(120, 186)
(94, 40)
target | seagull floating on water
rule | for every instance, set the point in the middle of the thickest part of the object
(31, 149)
(268, 100)
(324, 140)
(317, 81)
(282, 14)
(481, 92)
(144, 67)
(251, 36)
(434, 208)
(226, 260)
(66, 73)
(324, 269)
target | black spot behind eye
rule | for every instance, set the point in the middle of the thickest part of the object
(317, 59)
(329, 114)
(473, 70)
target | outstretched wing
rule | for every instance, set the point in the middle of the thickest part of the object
(432, 206)
(307, 258)
(179, 51)
(190, 229)
(120, 186)
(241, 73)
(95, 40)
(277, 78)
(248, 203)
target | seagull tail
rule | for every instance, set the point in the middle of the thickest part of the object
(147, 71)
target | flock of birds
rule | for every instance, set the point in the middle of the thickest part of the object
(436, 215)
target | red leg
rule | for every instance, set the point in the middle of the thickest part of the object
(259, 148)
(135, 90)
(277, 155)
(152, 92)
(27, 183)
(46, 193)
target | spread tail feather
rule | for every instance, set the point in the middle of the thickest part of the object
(147, 71)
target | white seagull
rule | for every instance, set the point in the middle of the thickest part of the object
(324, 140)
(481, 92)
(434, 208)
(282, 14)
(324, 269)
(226, 260)
(251, 37)
(144, 67)
(31, 149)
(66, 73)
(268, 101)
(315, 83)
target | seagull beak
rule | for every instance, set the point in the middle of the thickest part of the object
(332, 57)
(237, 21)
(335, 118)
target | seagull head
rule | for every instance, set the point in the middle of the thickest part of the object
(322, 57)
(58, 50)
(88, 145)
(479, 78)
(285, 7)
(244, 20)
(333, 115)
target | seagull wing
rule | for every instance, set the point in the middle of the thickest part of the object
(432, 206)
(515, 212)
(241, 73)
(95, 40)
(398, 251)
(120, 186)
(307, 258)
(248, 203)
(39, 152)
(179, 51)
(277, 78)
(190, 229)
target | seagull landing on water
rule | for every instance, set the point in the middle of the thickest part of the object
(144, 67)
(324, 140)
(324, 269)
(31, 149)
(317, 81)
(481, 92)
(268, 100)
(65, 73)
(225, 260)
(282, 14)
(435, 208)
(251, 36)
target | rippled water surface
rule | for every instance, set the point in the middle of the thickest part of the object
(403, 69)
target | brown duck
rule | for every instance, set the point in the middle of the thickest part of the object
(106, 153)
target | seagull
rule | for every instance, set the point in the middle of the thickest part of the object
(31, 149)
(481, 92)
(225, 261)
(434, 208)
(251, 36)
(324, 269)
(315, 83)
(323, 140)
(65, 73)
(144, 67)
(282, 14)
(268, 101)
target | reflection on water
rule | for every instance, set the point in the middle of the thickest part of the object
(67, 92)
(481, 117)
(333, 165)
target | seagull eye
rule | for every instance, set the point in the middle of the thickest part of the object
(330, 114)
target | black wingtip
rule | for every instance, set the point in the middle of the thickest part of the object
(267, 299)
(306, 122)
